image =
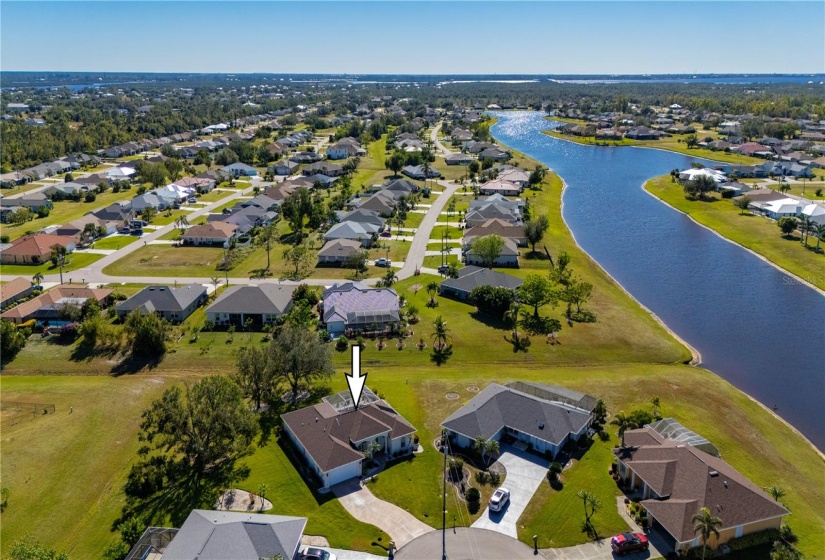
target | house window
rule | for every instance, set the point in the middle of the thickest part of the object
(403, 443)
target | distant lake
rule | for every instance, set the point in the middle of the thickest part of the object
(753, 324)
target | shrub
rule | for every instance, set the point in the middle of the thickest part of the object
(495, 478)
(341, 344)
(472, 494)
(415, 439)
(481, 477)
(5, 239)
(818, 192)
(754, 539)
(362, 342)
(727, 193)
(456, 469)
(90, 197)
(554, 471)
(324, 335)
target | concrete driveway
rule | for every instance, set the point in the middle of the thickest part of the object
(525, 472)
(400, 525)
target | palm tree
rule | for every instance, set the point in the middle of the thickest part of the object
(492, 448)
(262, 490)
(657, 404)
(37, 278)
(480, 445)
(591, 504)
(705, 524)
(775, 492)
(805, 226)
(819, 230)
(389, 278)
(215, 281)
(512, 315)
(432, 289)
(440, 334)
(624, 423)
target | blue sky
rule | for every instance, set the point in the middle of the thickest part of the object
(407, 38)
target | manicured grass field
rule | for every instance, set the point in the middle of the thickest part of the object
(754, 232)
(213, 196)
(115, 241)
(64, 212)
(164, 260)
(74, 262)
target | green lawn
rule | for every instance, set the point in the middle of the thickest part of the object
(213, 196)
(754, 232)
(434, 261)
(75, 262)
(166, 260)
(64, 212)
(115, 241)
(556, 516)
(166, 218)
(414, 219)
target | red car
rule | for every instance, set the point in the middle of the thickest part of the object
(629, 542)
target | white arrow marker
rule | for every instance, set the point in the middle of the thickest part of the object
(356, 381)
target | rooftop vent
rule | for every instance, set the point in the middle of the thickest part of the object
(714, 473)
(541, 425)
(725, 483)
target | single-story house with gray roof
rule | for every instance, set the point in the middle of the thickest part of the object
(263, 304)
(173, 304)
(208, 534)
(470, 277)
(543, 424)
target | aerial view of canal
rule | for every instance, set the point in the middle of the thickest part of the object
(753, 324)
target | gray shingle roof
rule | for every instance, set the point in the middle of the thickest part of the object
(164, 298)
(471, 277)
(263, 298)
(498, 406)
(218, 535)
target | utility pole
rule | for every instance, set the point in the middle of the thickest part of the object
(444, 499)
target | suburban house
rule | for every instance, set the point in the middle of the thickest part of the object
(210, 234)
(239, 169)
(514, 175)
(119, 214)
(363, 233)
(418, 172)
(507, 257)
(35, 249)
(541, 417)
(332, 436)
(76, 227)
(149, 200)
(499, 186)
(173, 304)
(675, 479)
(15, 290)
(495, 227)
(208, 534)
(495, 154)
(369, 218)
(262, 304)
(285, 167)
(32, 201)
(644, 133)
(470, 277)
(338, 251)
(494, 207)
(344, 148)
(354, 307)
(323, 168)
(458, 159)
(51, 306)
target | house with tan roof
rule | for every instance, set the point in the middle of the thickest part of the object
(35, 249)
(211, 234)
(15, 290)
(675, 479)
(332, 436)
(51, 307)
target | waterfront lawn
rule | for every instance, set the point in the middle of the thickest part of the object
(754, 232)
(75, 261)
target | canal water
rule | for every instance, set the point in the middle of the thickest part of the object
(753, 324)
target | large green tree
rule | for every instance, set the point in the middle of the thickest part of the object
(534, 230)
(488, 249)
(146, 333)
(536, 291)
(299, 359)
(254, 375)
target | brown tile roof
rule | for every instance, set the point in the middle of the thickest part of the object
(14, 287)
(498, 227)
(39, 244)
(688, 479)
(52, 297)
(328, 436)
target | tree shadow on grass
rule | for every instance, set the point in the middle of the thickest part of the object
(306, 475)
(489, 320)
(133, 364)
(536, 256)
(85, 353)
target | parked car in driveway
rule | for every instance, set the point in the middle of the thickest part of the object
(629, 542)
(312, 553)
(499, 499)
(444, 269)
(383, 262)
(124, 230)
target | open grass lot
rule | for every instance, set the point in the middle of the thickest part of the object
(66, 470)
(397, 250)
(371, 170)
(115, 241)
(164, 260)
(214, 196)
(75, 261)
(434, 261)
(414, 219)
(754, 232)
(64, 212)
(165, 218)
